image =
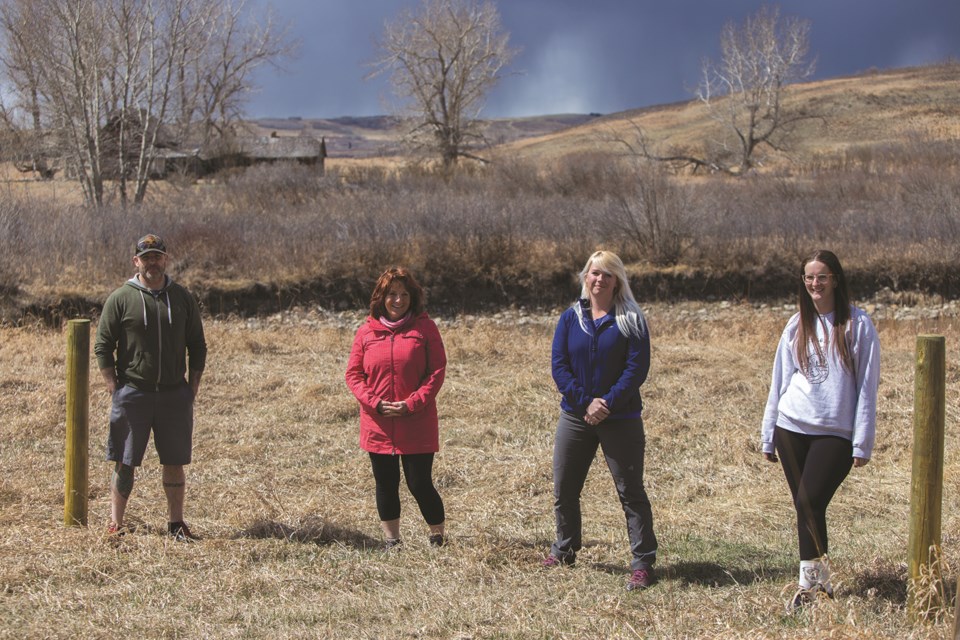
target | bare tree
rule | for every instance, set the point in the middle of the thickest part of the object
(66, 43)
(744, 93)
(144, 38)
(443, 60)
(22, 123)
(232, 48)
(655, 214)
(108, 77)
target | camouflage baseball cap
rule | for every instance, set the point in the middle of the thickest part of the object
(150, 243)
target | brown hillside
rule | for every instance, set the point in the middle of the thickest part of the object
(869, 110)
(872, 109)
(382, 136)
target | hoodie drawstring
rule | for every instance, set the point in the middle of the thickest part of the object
(144, 302)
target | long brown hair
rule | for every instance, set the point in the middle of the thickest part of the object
(807, 330)
(387, 278)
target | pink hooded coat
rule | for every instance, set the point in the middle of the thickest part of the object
(407, 363)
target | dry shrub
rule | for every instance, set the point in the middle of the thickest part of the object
(928, 591)
(592, 176)
(269, 186)
(506, 234)
(656, 214)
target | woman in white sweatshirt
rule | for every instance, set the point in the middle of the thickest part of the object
(820, 416)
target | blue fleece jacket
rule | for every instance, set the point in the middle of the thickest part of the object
(599, 362)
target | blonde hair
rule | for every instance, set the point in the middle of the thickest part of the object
(629, 316)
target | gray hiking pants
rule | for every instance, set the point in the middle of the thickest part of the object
(623, 443)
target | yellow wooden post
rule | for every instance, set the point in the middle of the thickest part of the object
(926, 488)
(956, 615)
(78, 399)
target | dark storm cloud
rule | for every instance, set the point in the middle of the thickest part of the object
(600, 56)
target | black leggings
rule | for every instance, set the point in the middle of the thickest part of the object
(418, 470)
(815, 466)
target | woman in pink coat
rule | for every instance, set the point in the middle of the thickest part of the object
(396, 368)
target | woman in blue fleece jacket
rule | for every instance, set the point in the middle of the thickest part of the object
(601, 356)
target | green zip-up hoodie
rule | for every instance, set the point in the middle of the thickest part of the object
(146, 335)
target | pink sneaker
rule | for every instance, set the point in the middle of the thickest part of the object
(641, 579)
(553, 561)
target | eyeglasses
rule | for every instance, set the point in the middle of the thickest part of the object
(820, 278)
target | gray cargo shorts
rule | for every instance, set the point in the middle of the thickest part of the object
(168, 413)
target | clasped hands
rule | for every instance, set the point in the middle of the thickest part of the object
(392, 409)
(597, 412)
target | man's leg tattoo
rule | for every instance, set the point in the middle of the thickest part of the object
(123, 479)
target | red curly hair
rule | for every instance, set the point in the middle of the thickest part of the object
(387, 278)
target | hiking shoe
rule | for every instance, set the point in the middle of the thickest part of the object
(392, 544)
(553, 561)
(805, 597)
(180, 532)
(437, 540)
(802, 598)
(641, 579)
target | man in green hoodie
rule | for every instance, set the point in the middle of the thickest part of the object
(146, 331)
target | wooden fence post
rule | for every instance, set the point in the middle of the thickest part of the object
(78, 400)
(956, 614)
(926, 488)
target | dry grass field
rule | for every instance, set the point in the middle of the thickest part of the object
(280, 491)
(283, 497)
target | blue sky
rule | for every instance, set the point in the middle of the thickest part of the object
(584, 56)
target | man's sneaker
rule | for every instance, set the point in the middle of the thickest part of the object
(437, 540)
(115, 532)
(180, 532)
(641, 579)
(392, 544)
(553, 561)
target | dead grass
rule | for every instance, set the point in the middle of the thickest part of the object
(873, 110)
(284, 499)
(879, 180)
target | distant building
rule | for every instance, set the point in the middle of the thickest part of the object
(44, 153)
(246, 152)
